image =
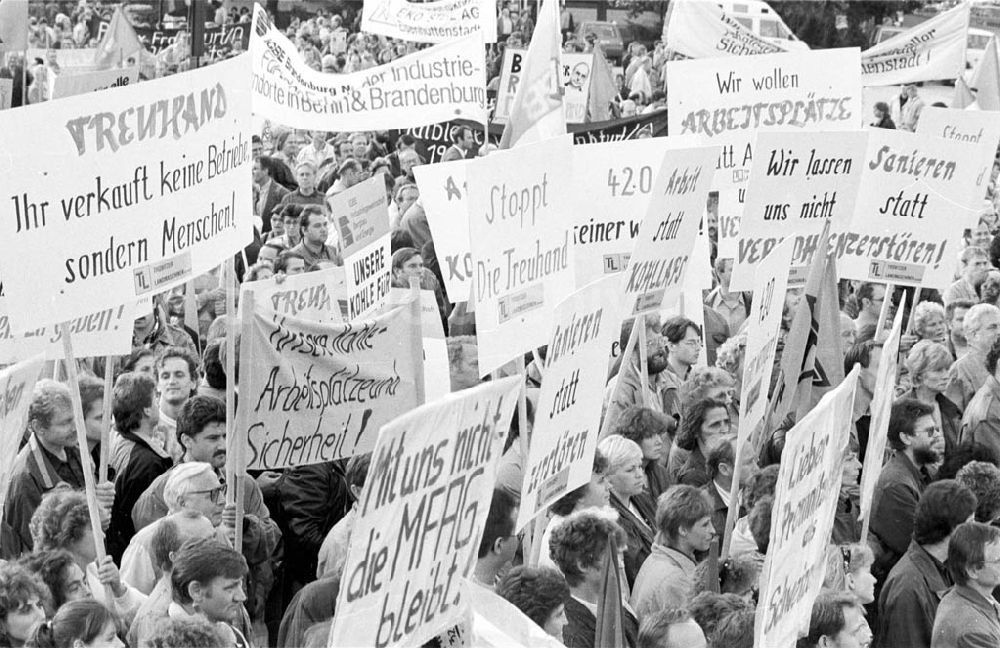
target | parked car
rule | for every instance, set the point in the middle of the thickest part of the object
(608, 35)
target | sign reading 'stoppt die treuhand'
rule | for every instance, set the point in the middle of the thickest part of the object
(113, 195)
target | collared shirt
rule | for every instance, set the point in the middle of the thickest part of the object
(313, 259)
(733, 308)
(961, 289)
(262, 199)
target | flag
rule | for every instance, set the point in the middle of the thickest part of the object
(986, 78)
(602, 88)
(701, 29)
(13, 25)
(934, 49)
(610, 631)
(120, 42)
(537, 112)
(963, 95)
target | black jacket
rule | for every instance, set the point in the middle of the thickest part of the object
(137, 469)
(581, 626)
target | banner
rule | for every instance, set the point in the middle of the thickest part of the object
(105, 332)
(908, 218)
(219, 41)
(510, 75)
(426, 87)
(116, 195)
(361, 217)
(437, 371)
(313, 392)
(930, 51)
(420, 519)
(727, 101)
(318, 296)
(702, 29)
(658, 263)
(520, 211)
(800, 181)
(805, 501)
(67, 84)
(443, 193)
(576, 69)
(881, 407)
(430, 22)
(16, 385)
(568, 415)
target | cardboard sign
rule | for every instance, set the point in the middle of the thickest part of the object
(421, 517)
(312, 392)
(437, 372)
(701, 29)
(932, 50)
(576, 85)
(436, 84)
(361, 217)
(430, 22)
(318, 296)
(16, 384)
(907, 223)
(656, 269)
(800, 181)
(727, 101)
(510, 75)
(520, 214)
(805, 501)
(67, 84)
(115, 195)
(443, 193)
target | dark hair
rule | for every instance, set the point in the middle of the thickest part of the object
(959, 456)
(760, 484)
(202, 560)
(291, 210)
(166, 539)
(131, 361)
(739, 574)
(17, 587)
(951, 307)
(720, 453)
(499, 521)
(189, 633)
(966, 548)
(198, 412)
(865, 291)
(760, 522)
(268, 165)
(309, 211)
(50, 565)
(60, 520)
(983, 479)
(694, 418)
(735, 630)
(349, 164)
(655, 628)
(215, 373)
(680, 507)
(640, 423)
(458, 133)
(133, 393)
(581, 541)
(82, 620)
(675, 328)
(858, 353)
(406, 140)
(400, 239)
(357, 469)
(281, 263)
(709, 607)
(903, 418)
(567, 503)
(992, 357)
(827, 618)
(182, 353)
(91, 390)
(536, 591)
(402, 255)
(943, 505)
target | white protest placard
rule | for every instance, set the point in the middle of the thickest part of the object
(420, 518)
(763, 328)
(930, 51)
(799, 182)
(972, 126)
(909, 215)
(510, 75)
(805, 501)
(881, 407)
(115, 195)
(568, 420)
(430, 22)
(312, 392)
(702, 29)
(520, 216)
(437, 372)
(102, 333)
(318, 296)
(69, 83)
(361, 217)
(726, 101)
(576, 85)
(6, 93)
(443, 193)
(16, 384)
(444, 82)
(658, 264)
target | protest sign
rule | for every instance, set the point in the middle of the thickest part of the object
(520, 214)
(420, 518)
(318, 296)
(885, 386)
(727, 101)
(6, 93)
(219, 40)
(361, 217)
(800, 181)
(510, 76)
(932, 50)
(16, 384)
(567, 423)
(437, 375)
(908, 217)
(576, 85)
(805, 501)
(701, 29)
(67, 84)
(430, 22)
(115, 195)
(443, 193)
(656, 268)
(428, 86)
(972, 126)
(312, 392)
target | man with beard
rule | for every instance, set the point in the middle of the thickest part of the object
(625, 390)
(969, 373)
(919, 444)
(981, 422)
(176, 380)
(955, 317)
(975, 265)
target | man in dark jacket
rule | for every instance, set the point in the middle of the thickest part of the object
(138, 457)
(910, 595)
(967, 616)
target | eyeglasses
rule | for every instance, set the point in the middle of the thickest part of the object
(214, 494)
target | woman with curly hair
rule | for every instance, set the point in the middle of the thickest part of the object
(84, 623)
(928, 364)
(539, 592)
(23, 597)
(705, 421)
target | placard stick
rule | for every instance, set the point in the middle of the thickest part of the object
(913, 312)
(734, 497)
(109, 375)
(643, 369)
(712, 571)
(81, 440)
(625, 357)
(231, 450)
(522, 429)
(417, 343)
(55, 370)
(884, 311)
(239, 461)
(539, 364)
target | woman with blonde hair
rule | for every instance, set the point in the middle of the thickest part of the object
(927, 364)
